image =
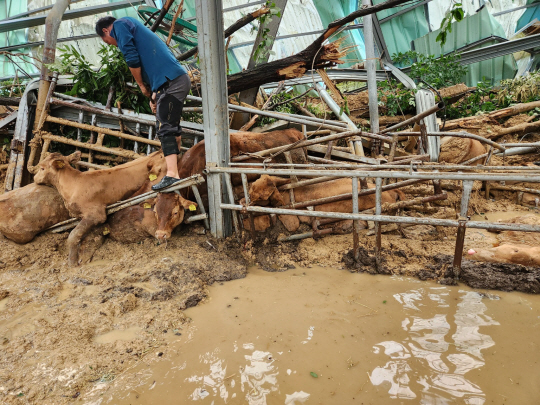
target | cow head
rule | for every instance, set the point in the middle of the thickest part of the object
(169, 211)
(47, 170)
(263, 191)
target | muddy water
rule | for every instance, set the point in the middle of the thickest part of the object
(325, 336)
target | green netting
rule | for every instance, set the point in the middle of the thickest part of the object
(399, 32)
(530, 14)
(333, 10)
(472, 29)
(7, 67)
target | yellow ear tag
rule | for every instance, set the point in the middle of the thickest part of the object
(192, 207)
(152, 177)
(147, 205)
(106, 231)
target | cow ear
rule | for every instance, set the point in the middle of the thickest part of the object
(58, 164)
(74, 157)
(186, 204)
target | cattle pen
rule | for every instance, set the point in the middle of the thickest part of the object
(356, 220)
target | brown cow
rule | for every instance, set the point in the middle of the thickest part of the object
(265, 190)
(194, 161)
(156, 217)
(30, 210)
(519, 254)
(87, 194)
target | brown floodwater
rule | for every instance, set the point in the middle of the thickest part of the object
(326, 336)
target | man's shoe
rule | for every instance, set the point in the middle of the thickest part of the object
(165, 182)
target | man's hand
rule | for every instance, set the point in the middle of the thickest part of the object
(145, 90)
(153, 104)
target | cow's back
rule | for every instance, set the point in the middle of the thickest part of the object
(30, 210)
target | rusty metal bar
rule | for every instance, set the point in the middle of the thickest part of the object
(348, 196)
(414, 119)
(47, 100)
(378, 204)
(107, 131)
(462, 227)
(356, 223)
(201, 205)
(456, 135)
(228, 183)
(102, 149)
(248, 202)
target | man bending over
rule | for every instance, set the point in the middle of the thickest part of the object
(151, 61)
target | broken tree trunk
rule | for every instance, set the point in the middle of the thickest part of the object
(162, 15)
(245, 20)
(315, 56)
(505, 112)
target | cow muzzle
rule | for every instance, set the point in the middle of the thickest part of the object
(162, 236)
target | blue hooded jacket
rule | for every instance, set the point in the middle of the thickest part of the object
(142, 48)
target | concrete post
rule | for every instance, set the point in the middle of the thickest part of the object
(214, 100)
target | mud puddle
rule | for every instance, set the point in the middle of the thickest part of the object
(324, 336)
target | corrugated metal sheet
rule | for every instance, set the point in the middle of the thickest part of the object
(399, 32)
(472, 29)
(528, 15)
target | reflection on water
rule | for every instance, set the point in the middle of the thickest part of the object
(333, 337)
(257, 378)
(449, 352)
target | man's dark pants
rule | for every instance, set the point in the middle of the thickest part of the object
(170, 103)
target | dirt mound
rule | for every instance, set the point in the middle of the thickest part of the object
(493, 276)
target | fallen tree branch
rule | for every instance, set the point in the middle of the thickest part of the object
(315, 56)
(173, 22)
(245, 20)
(162, 15)
(494, 115)
(517, 128)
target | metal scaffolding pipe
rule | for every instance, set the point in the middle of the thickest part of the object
(106, 131)
(124, 153)
(371, 70)
(457, 135)
(533, 178)
(52, 23)
(386, 218)
(414, 119)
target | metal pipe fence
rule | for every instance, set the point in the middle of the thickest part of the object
(461, 223)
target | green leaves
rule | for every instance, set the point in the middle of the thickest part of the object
(438, 72)
(314, 375)
(264, 48)
(94, 85)
(455, 13)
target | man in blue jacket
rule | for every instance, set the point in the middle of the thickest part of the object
(160, 77)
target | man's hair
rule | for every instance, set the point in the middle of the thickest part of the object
(104, 22)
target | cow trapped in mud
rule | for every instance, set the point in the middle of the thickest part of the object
(265, 191)
(87, 194)
(156, 217)
(30, 210)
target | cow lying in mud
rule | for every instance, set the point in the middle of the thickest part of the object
(30, 210)
(135, 223)
(87, 194)
(156, 217)
(264, 191)
(514, 246)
